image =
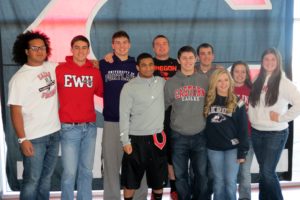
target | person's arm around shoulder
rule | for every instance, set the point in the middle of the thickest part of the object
(109, 57)
(18, 123)
(99, 84)
(242, 127)
(168, 94)
(292, 94)
(126, 103)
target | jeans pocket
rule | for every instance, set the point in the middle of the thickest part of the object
(92, 124)
(66, 129)
(55, 137)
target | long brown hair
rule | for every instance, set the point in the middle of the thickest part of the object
(231, 102)
(273, 82)
(248, 82)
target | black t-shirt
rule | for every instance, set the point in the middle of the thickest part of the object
(165, 68)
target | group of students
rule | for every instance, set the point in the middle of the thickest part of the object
(162, 119)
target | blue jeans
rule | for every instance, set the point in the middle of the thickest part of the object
(225, 170)
(244, 175)
(191, 149)
(268, 146)
(39, 168)
(78, 150)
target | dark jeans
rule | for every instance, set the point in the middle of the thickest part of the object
(191, 149)
(268, 146)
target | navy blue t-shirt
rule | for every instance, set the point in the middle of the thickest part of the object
(114, 76)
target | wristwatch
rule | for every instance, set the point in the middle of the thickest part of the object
(20, 140)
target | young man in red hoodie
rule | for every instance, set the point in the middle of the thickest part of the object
(77, 83)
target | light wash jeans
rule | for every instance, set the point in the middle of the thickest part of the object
(244, 175)
(225, 170)
(78, 151)
(268, 146)
(39, 168)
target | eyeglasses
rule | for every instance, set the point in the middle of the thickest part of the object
(36, 48)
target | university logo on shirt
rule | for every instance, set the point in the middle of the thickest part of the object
(190, 93)
(49, 89)
(119, 75)
(78, 81)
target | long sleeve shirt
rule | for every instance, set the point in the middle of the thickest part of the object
(225, 130)
(141, 107)
(260, 114)
(76, 87)
(186, 95)
(114, 76)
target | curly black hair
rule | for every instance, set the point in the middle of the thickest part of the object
(22, 43)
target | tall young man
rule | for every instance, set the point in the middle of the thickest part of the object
(141, 128)
(33, 104)
(115, 75)
(78, 81)
(166, 67)
(185, 92)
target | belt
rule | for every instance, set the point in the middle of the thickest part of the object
(77, 123)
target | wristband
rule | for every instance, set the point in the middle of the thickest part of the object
(20, 140)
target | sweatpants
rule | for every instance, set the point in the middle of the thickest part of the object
(112, 154)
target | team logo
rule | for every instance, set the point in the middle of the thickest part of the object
(80, 81)
(218, 118)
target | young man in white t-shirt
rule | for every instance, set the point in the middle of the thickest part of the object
(32, 98)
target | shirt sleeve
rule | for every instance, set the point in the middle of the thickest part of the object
(292, 94)
(99, 84)
(16, 92)
(243, 146)
(167, 95)
(126, 103)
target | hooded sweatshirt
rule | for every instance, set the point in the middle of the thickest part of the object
(260, 114)
(76, 88)
(225, 130)
(186, 95)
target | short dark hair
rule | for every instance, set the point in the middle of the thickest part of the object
(119, 34)
(143, 56)
(205, 45)
(159, 36)
(186, 49)
(22, 43)
(79, 38)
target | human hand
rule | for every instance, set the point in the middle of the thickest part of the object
(95, 63)
(109, 57)
(27, 148)
(274, 116)
(219, 67)
(241, 160)
(128, 149)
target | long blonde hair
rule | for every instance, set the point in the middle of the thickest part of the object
(231, 101)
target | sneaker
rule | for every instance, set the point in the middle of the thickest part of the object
(174, 195)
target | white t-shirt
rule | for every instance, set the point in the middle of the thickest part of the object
(35, 89)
